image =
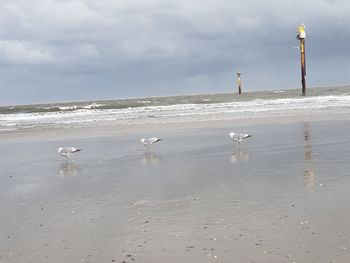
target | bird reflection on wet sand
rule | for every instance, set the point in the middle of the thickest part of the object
(238, 156)
(68, 169)
(150, 159)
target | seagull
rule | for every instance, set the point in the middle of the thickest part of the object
(149, 141)
(238, 137)
(67, 151)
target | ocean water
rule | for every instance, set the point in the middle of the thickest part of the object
(176, 109)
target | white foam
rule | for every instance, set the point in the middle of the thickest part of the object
(77, 107)
(88, 115)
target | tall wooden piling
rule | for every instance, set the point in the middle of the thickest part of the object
(301, 36)
(239, 82)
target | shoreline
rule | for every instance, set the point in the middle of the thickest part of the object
(117, 129)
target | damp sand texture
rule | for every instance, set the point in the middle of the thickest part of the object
(282, 196)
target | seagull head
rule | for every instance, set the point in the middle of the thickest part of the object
(231, 134)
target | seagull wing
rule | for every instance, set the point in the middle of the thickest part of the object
(246, 135)
(149, 141)
(67, 150)
(154, 140)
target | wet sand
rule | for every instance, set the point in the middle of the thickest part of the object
(195, 197)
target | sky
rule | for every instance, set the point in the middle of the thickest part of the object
(77, 50)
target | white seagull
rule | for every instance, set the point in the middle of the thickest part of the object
(67, 151)
(238, 137)
(149, 141)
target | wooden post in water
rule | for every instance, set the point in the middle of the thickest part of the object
(301, 36)
(239, 82)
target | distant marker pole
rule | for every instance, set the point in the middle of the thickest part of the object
(301, 36)
(239, 82)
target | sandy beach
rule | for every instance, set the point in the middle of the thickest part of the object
(87, 86)
(282, 196)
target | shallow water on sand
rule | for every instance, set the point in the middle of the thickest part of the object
(282, 196)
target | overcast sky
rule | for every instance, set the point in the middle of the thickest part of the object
(69, 50)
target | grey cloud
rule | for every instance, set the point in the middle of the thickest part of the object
(107, 48)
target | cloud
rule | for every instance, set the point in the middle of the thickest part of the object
(173, 47)
(23, 53)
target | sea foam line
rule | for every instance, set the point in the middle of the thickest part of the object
(188, 112)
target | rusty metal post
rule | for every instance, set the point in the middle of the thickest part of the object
(301, 36)
(239, 82)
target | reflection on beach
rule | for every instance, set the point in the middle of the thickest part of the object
(309, 174)
(150, 158)
(309, 179)
(307, 138)
(238, 156)
(69, 169)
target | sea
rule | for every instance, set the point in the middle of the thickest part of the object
(172, 109)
